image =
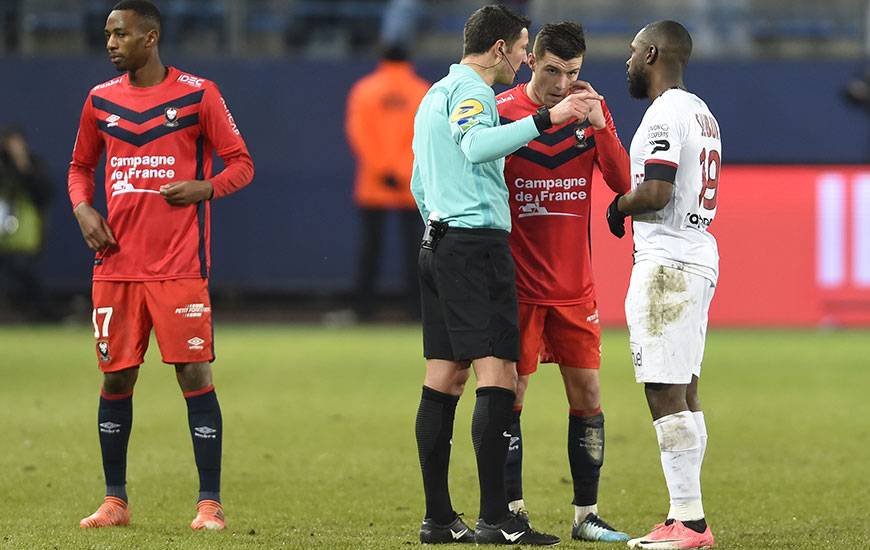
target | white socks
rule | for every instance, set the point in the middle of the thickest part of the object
(702, 433)
(516, 505)
(680, 445)
(580, 512)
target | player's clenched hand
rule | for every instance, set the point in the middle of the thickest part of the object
(596, 112)
(576, 105)
(95, 229)
(615, 218)
(181, 193)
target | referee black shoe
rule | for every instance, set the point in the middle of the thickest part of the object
(514, 530)
(456, 532)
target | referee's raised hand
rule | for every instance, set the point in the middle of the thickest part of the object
(575, 105)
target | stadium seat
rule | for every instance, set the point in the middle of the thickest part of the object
(52, 27)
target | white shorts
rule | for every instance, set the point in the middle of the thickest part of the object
(666, 309)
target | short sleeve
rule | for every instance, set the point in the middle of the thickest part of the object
(662, 145)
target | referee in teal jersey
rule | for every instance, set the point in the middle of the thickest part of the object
(467, 272)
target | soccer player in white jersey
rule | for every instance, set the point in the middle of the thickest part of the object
(675, 164)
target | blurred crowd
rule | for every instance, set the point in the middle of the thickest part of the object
(25, 194)
(343, 28)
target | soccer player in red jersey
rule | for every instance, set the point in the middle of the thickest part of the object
(159, 127)
(550, 186)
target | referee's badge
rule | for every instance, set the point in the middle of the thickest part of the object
(464, 114)
(171, 114)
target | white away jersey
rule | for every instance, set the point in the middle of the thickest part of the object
(678, 141)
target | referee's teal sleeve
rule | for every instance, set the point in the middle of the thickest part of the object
(418, 191)
(486, 144)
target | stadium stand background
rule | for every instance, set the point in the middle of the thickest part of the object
(775, 72)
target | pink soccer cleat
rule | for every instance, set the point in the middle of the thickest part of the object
(112, 512)
(673, 534)
(209, 515)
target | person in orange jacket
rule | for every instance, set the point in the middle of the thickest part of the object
(380, 127)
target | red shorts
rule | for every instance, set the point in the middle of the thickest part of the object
(178, 309)
(567, 335)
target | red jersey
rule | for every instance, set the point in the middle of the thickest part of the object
(550, 187)
(153, 136)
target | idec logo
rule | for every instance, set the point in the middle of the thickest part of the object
(843, 230)
(191, 80)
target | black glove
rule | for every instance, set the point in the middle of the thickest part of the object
(390, 181)
(615, 218)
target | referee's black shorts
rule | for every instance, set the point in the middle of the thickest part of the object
(469, 297)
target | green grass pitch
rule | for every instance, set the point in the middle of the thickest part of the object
(319, 448)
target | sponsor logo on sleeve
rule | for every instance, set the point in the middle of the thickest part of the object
(465, 114)
(230, 118)
(657, 131)
(660, 145)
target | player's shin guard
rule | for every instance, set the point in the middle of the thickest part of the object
(115, 419)
(493, 413)
(513, 468)
(206, 431)
(434, 431)
(585, 453)
(680, 452)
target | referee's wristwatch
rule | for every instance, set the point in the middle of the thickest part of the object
(542, 119)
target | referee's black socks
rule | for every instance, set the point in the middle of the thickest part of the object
(493, 415)
(434, 430)
(206, 431)
(513, 468)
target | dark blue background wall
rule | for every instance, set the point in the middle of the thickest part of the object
(294, 227)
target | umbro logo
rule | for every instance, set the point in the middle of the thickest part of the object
(195, 343)
(205, 432)
(458, 534)
(512, 537)
(112, 120)
(109, 427)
